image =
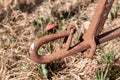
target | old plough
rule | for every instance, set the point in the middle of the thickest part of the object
(91, 38)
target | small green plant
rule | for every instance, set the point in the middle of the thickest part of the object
(40, 25)
(41, 22)
(63, 21)
(40, 51)
(100, 75)
(37, 36)
(45, 68)
(42, 68)
(104, 74)
(108, 58)
(44, 20)
(114, 11)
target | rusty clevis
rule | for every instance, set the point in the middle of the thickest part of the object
(90, 39)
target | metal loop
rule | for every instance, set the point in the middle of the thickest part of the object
(36, 45)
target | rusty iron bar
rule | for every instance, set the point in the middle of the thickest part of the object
(96, 25)
(63, 52)
(100, 16)
(89, 38)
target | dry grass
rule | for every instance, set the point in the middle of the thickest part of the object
(20, 26)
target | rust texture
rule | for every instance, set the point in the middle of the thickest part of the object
(63, 52)
(35, 46)
(90, 39)
(97, 23)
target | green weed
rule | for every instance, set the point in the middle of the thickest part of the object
(108, 58)
(100, 75)
(104, 74)
(114, 11)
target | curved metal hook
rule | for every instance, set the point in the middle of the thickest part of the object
(63, 52)
(46, 59)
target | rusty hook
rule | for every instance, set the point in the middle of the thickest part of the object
(63, 52)
(46, 59)
(90, 39)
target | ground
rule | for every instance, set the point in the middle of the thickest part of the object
(22, 25)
